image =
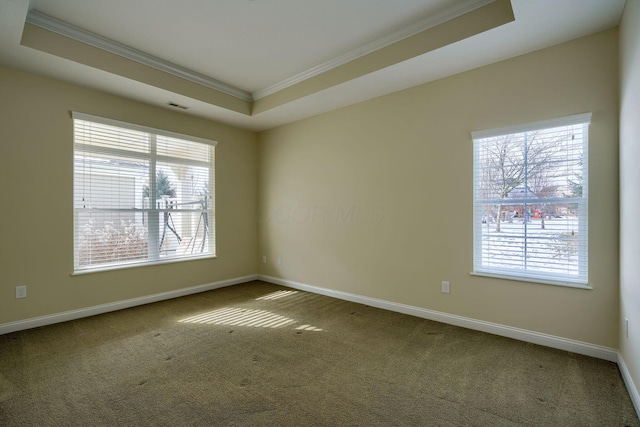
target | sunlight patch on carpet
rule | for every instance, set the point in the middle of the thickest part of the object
(240, 317)
(308, 328)
(276, 295)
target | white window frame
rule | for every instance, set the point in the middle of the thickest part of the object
(153, 256)
(579, 280)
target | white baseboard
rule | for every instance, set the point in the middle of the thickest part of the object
(35, 322)
(552, 341)
(628, 381)
(465, 322)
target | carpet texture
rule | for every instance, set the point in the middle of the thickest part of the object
(257, 354)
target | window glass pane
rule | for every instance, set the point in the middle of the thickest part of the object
(110, 237)
(109, 182)
(139, 197)
(180, 186)
(531, 204)
(184, 233)
(540, 241)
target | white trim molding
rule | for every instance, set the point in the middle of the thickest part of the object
(552, 341)
(631, 386)
(118, 305)
(576, 119)
(420, 26)
(47, 22)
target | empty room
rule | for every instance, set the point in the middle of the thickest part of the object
(299, 213)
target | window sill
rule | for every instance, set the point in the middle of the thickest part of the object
(135, 265)
(531, 280)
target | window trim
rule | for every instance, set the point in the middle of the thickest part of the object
(540, 278)
(566, 284)
(576, 119)
(134, 264)
(77, 270)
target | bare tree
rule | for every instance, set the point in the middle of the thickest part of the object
(517, 160)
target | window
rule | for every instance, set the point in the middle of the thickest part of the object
(141, 195)
(530, 201)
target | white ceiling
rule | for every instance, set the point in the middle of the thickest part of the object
(248, 44)
(259, 45)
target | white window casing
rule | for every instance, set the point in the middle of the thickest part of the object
(531, 201)
(141, 195)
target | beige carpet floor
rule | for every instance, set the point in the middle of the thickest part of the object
(257, 354)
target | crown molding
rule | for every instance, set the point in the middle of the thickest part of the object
(429, 22)
(47, 22)
(63, 28)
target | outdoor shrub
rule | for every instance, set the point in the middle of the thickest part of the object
(112, 243)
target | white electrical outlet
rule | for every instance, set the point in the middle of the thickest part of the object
(445, 287)
(264, 259)
(279, 260)
(21, 292)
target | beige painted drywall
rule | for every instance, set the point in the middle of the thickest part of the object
(36, 215)
(630, 189)
(376, 199)
(65, 47)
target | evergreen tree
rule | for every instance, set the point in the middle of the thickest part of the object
(164, 187)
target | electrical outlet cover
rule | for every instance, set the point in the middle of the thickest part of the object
(21, 291)
(445, 287)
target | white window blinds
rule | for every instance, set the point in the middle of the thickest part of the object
(141, 195)
(530, 201)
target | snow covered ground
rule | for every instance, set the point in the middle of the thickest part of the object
(527, 245)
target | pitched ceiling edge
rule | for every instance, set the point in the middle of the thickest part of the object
(63, 28)
(424, 24)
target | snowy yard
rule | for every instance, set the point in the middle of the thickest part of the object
(527, 245)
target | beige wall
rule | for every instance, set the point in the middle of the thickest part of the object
(376, 199)
(630, 188)
(36, 216)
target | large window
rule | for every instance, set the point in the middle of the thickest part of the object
(141, 195)
(530, 201)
